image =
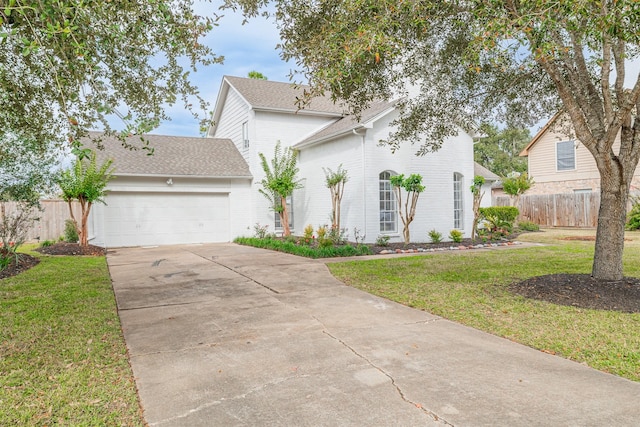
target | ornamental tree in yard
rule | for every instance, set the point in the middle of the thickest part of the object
(26, 174)
(413, 187)
(279, 182)
(335, 181)
(69, 66)
(476, 190)
(85, 182)
(473, 61)
(515, 185)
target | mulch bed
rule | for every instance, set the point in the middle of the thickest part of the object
(24, 263)
(69, 249)
(582, 290)
(415, 246)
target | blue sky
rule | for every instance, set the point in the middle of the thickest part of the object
(245, 47)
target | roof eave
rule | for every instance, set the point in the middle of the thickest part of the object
(297, 111)
(368, 124)
(165, 175)
(525, 151)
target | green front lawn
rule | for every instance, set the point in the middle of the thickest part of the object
(471, 287)
(63, 360)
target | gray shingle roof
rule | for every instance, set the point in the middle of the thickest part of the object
(347, 123)
(478, 169)
(175, 156)
(280, 96)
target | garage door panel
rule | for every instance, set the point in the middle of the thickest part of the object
(133, 219)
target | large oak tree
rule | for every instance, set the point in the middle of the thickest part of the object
(72, 65)
(472, 61)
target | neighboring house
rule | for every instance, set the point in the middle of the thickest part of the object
(256, 114)
(191, 190)
(490, 180)
(559, 163)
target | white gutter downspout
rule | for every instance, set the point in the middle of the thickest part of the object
(364, 181)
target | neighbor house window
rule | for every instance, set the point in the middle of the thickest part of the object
(458, 205)
(278, 224)
(565, 156)
(245, 135)
(388, 211)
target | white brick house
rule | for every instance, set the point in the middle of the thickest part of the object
(255, 114)
(198, 190)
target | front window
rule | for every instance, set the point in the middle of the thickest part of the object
(245, 135)
(458, 205)
(388, 211)
(565, 156)
(278, 224)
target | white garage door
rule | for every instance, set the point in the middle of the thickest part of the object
(140, 219)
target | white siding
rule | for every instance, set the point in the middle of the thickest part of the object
(267, 128)
(360, 205)
(235, 112)
(363, 160)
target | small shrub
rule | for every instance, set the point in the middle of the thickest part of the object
(435, 236)
(321, 232)
(290, 239)
(357, 236)
(70, 231)
(486, 234)
(633, 217)
(47, 243)
(15, 226)
(383, 240)
(325, 243)
(337, 236)
(499, 217)
(6, 257)
(260, 231)
(324, 237)
(456, 236)
(528, 226)
(308, 232)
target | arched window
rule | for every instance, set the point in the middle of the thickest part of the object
(458, 201)
(388, 210)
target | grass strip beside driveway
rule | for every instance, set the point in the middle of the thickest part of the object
(471, 287)
(63, 359)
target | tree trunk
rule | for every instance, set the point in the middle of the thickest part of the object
(405, 232)
(607, 261)
(337, 211)
(284, 217)
(84, 234)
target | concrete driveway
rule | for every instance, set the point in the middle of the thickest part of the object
(226, 335)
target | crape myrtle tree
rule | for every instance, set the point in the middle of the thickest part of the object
(474, 61)
(478, 194)
(279, 182)
(85, 182)
(335, 182)
(69, 66)
(515, 185)
(412, 185)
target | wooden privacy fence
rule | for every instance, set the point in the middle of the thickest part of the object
(52, 218)
(557, 210)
